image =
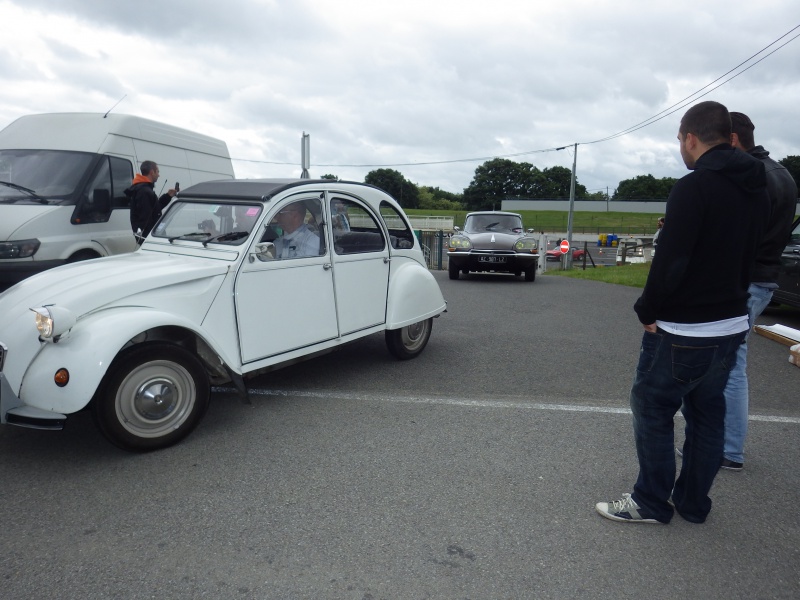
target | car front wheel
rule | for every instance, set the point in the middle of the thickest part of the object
(530, 273)
(408, 342)
(452, 271)
(152, 397)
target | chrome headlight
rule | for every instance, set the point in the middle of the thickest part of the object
(19, 249)
(526, 244)
(460, 242)
(53, 321)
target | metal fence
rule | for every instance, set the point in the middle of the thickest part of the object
(434, 246)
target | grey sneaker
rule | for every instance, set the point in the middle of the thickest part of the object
(624, 509)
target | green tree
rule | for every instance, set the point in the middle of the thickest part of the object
(499, 179)
(329, 176)
(398, 187)
(556, 183)
(792, 163)
(437, 199)
(644, 187)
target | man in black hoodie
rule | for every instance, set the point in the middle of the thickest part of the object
(694, 315)
(146, 207)
(782, 191)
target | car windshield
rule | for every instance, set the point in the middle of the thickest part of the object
(40, 176)
(216, 223)
(496, 223)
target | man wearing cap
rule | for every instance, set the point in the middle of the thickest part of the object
(782, 191)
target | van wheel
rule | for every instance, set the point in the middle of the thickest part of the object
(152, 396)
(83, 255)
(408, 342)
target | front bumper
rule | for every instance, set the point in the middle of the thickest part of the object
(488, 260)
(14, 412)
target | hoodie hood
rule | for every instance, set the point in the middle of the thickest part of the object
(139, 180)
(740, 167)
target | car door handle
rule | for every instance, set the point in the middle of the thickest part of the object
(327, 266)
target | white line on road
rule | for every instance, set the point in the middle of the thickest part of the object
(518, 404)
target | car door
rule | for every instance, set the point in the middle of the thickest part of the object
(360, 264)
(286, 303)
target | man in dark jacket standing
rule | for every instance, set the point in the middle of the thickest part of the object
(694, 316)
(782, 191)
(146, 207)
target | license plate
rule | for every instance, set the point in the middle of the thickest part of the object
(492, 259)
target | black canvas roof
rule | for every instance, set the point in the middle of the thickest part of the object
(243, 189)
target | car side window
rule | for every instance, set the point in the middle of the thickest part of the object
(94, 205)
(297, 225)
(355, 230)
(400, 233)
(121, 178)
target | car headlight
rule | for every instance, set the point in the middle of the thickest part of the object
(459, 242)
(19, 249)
(53, 321)
(525, 245)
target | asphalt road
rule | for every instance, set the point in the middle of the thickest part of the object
(470, 472)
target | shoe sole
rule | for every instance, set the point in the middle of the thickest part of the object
(613, 517)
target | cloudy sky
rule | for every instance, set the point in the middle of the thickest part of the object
(431, 88)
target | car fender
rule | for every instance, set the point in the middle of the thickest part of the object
(86, 352)
(413, 295)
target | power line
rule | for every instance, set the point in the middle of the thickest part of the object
(641, 125)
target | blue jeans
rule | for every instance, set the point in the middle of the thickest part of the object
(676, 370)
(736, 394)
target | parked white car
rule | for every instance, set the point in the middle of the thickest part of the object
(238, 277)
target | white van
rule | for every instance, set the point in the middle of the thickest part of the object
(62, 178)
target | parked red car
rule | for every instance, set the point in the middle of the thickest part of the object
(555, 254)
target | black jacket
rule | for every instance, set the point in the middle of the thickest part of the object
(713, 223)
(782, 191)
(145, 206)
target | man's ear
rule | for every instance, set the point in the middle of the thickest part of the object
(735, 140)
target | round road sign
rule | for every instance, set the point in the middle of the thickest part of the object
(564, 246)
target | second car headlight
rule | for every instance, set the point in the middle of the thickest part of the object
(53, 321)
(459, 242)
(19, 249)
(525, 245)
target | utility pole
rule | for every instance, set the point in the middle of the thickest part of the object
(305, 155)
(571, 204)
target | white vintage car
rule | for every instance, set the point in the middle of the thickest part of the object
(238, 276)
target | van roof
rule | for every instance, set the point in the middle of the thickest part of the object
(87, 132)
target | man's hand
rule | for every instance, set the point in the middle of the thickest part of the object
(652, 328)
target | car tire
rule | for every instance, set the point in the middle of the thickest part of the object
(152, 397)
(408, 342)
(453, 271)
(530, 273)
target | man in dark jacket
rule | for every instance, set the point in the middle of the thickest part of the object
(694, 316)
(782, 191)
(146, 207)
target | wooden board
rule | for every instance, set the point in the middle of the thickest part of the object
(780, 333)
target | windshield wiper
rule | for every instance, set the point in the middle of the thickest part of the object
(189, 236)
(26, 190)
(227, 237)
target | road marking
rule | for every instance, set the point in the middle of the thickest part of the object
(438, 400)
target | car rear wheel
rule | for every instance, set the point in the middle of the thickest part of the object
(452, 270)
(409, 342)
(153, 396)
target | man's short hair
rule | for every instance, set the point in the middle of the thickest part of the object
(743, 127)
(147, 166)
(709, 121)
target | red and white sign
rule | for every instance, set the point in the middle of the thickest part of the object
(564, 246)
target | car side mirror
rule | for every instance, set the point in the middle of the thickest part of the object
(264, 251)
(456, 228)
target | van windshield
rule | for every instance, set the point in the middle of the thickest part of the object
(45, 176)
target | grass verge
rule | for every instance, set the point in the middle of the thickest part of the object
(631, 275)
